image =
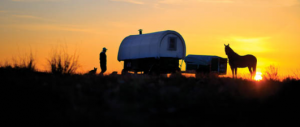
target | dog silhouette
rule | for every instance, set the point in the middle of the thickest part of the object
(93, 71)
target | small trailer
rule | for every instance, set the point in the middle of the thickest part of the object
(205, 64)
(152, 53)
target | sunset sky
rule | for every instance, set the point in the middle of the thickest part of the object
(268, 29)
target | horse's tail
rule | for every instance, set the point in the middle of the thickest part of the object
(254, 67)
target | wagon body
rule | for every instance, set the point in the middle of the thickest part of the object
(157, 52)
(206, 64)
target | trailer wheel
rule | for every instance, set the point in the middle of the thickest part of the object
(198, 75)
(146, 71)
(154, 70)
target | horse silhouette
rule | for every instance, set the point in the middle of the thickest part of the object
(237, 61)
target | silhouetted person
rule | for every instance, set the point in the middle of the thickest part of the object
(102, 58)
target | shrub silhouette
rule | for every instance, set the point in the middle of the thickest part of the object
(26, 63)
(271, 73)
(61, 62)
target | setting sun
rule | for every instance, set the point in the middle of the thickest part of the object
(258, 76)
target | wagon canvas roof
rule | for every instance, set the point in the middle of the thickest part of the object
(148, 46)
(199, 59)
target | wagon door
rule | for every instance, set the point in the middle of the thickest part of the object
(172, 46)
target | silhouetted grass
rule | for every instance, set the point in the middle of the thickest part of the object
(61, 62)
(271, 73)
(26, 63)
(44, 99)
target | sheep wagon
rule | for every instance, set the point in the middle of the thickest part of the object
(154, 53)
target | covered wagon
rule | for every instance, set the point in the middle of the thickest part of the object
(206, 64)
(157, 52)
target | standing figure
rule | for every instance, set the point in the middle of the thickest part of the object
(102, 58)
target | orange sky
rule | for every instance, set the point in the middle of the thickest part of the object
(268, 29)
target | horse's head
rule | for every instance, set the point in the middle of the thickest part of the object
(227, 49)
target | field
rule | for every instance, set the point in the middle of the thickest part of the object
(45, 99)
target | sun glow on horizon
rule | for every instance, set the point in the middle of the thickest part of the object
(258, 76)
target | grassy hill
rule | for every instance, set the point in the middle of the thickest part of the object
(44, 99)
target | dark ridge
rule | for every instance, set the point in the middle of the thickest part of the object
(44, 99)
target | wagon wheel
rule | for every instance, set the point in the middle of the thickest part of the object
(154, 70)
(177, 70)
(124, 72)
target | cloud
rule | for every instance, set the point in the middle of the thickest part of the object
(266, 3)
(27, 17)
(251, 44)
(37, 0)
(130, 1)
(286, 2)
(238, 2)
(120, 24)
(193, 1)
(246, 39)
(48, 27)
(31, 17)
(250, 40)
(216, 1)
(173, 1)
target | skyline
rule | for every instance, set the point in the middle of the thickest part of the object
(267, 29)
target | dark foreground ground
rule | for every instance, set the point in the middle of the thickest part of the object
(43, 99)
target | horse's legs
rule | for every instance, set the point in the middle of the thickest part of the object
(251, 71)
(232, 70)
(235, 71)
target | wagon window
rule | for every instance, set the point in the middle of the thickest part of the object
(172, 44)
